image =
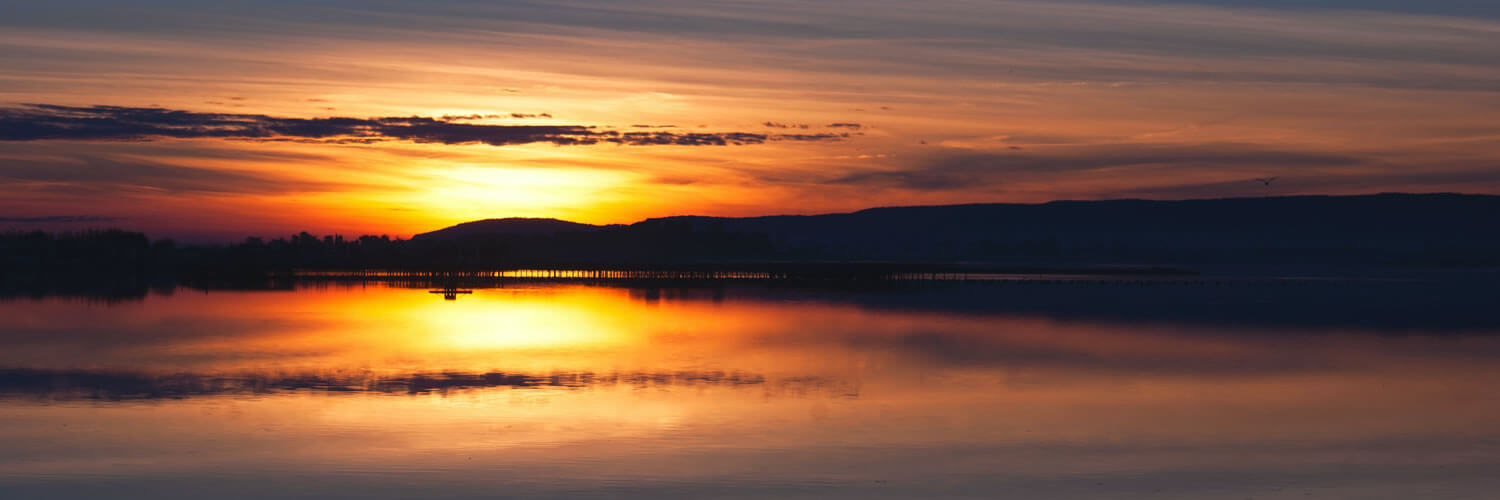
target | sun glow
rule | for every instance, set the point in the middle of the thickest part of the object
(471, 192)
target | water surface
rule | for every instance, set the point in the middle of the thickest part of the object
(579, 390)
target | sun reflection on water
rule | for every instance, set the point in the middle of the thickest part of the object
(520, 320)
(553, 382)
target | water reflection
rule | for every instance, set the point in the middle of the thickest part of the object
(576, 390)
(123, 386)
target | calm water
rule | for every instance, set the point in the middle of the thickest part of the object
(572, 390)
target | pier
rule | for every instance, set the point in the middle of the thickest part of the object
(814, 272)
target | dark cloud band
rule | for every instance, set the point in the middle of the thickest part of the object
(982, 169)
(43, 122)
(54, 219)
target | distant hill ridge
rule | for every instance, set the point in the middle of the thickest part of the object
(1373, 211)
(1109, 230)
(509, 225)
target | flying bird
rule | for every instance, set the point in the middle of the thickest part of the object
(1266, 180)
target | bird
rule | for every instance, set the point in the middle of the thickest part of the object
(1266, 180)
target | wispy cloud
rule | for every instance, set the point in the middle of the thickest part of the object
(41, 122)
(90, 174)
(954, 101)
(980, 169)
(59, 219)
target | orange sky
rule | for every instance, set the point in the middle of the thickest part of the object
(1014, 101)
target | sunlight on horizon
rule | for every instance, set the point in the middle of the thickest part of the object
(471, 192)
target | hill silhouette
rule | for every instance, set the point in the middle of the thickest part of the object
(1310, 233)
(1452, 228)
(506, 226)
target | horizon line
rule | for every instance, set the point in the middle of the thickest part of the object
(92, 218)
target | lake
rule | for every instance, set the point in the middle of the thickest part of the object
(578, 389)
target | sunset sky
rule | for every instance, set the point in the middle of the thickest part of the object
(211, 121)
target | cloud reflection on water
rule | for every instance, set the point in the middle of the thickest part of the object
(578, 391)
(48, 386)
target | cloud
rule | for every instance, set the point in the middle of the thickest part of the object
(48, 219)
(1428, 177)
(42, 122)
(978, 169)
(93, 174)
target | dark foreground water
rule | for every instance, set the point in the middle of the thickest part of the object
(558, 390)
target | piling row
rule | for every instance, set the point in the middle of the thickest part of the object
(417, 277)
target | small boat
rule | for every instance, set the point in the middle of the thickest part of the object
(451, 293)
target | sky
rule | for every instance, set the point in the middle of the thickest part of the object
(212, 121)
